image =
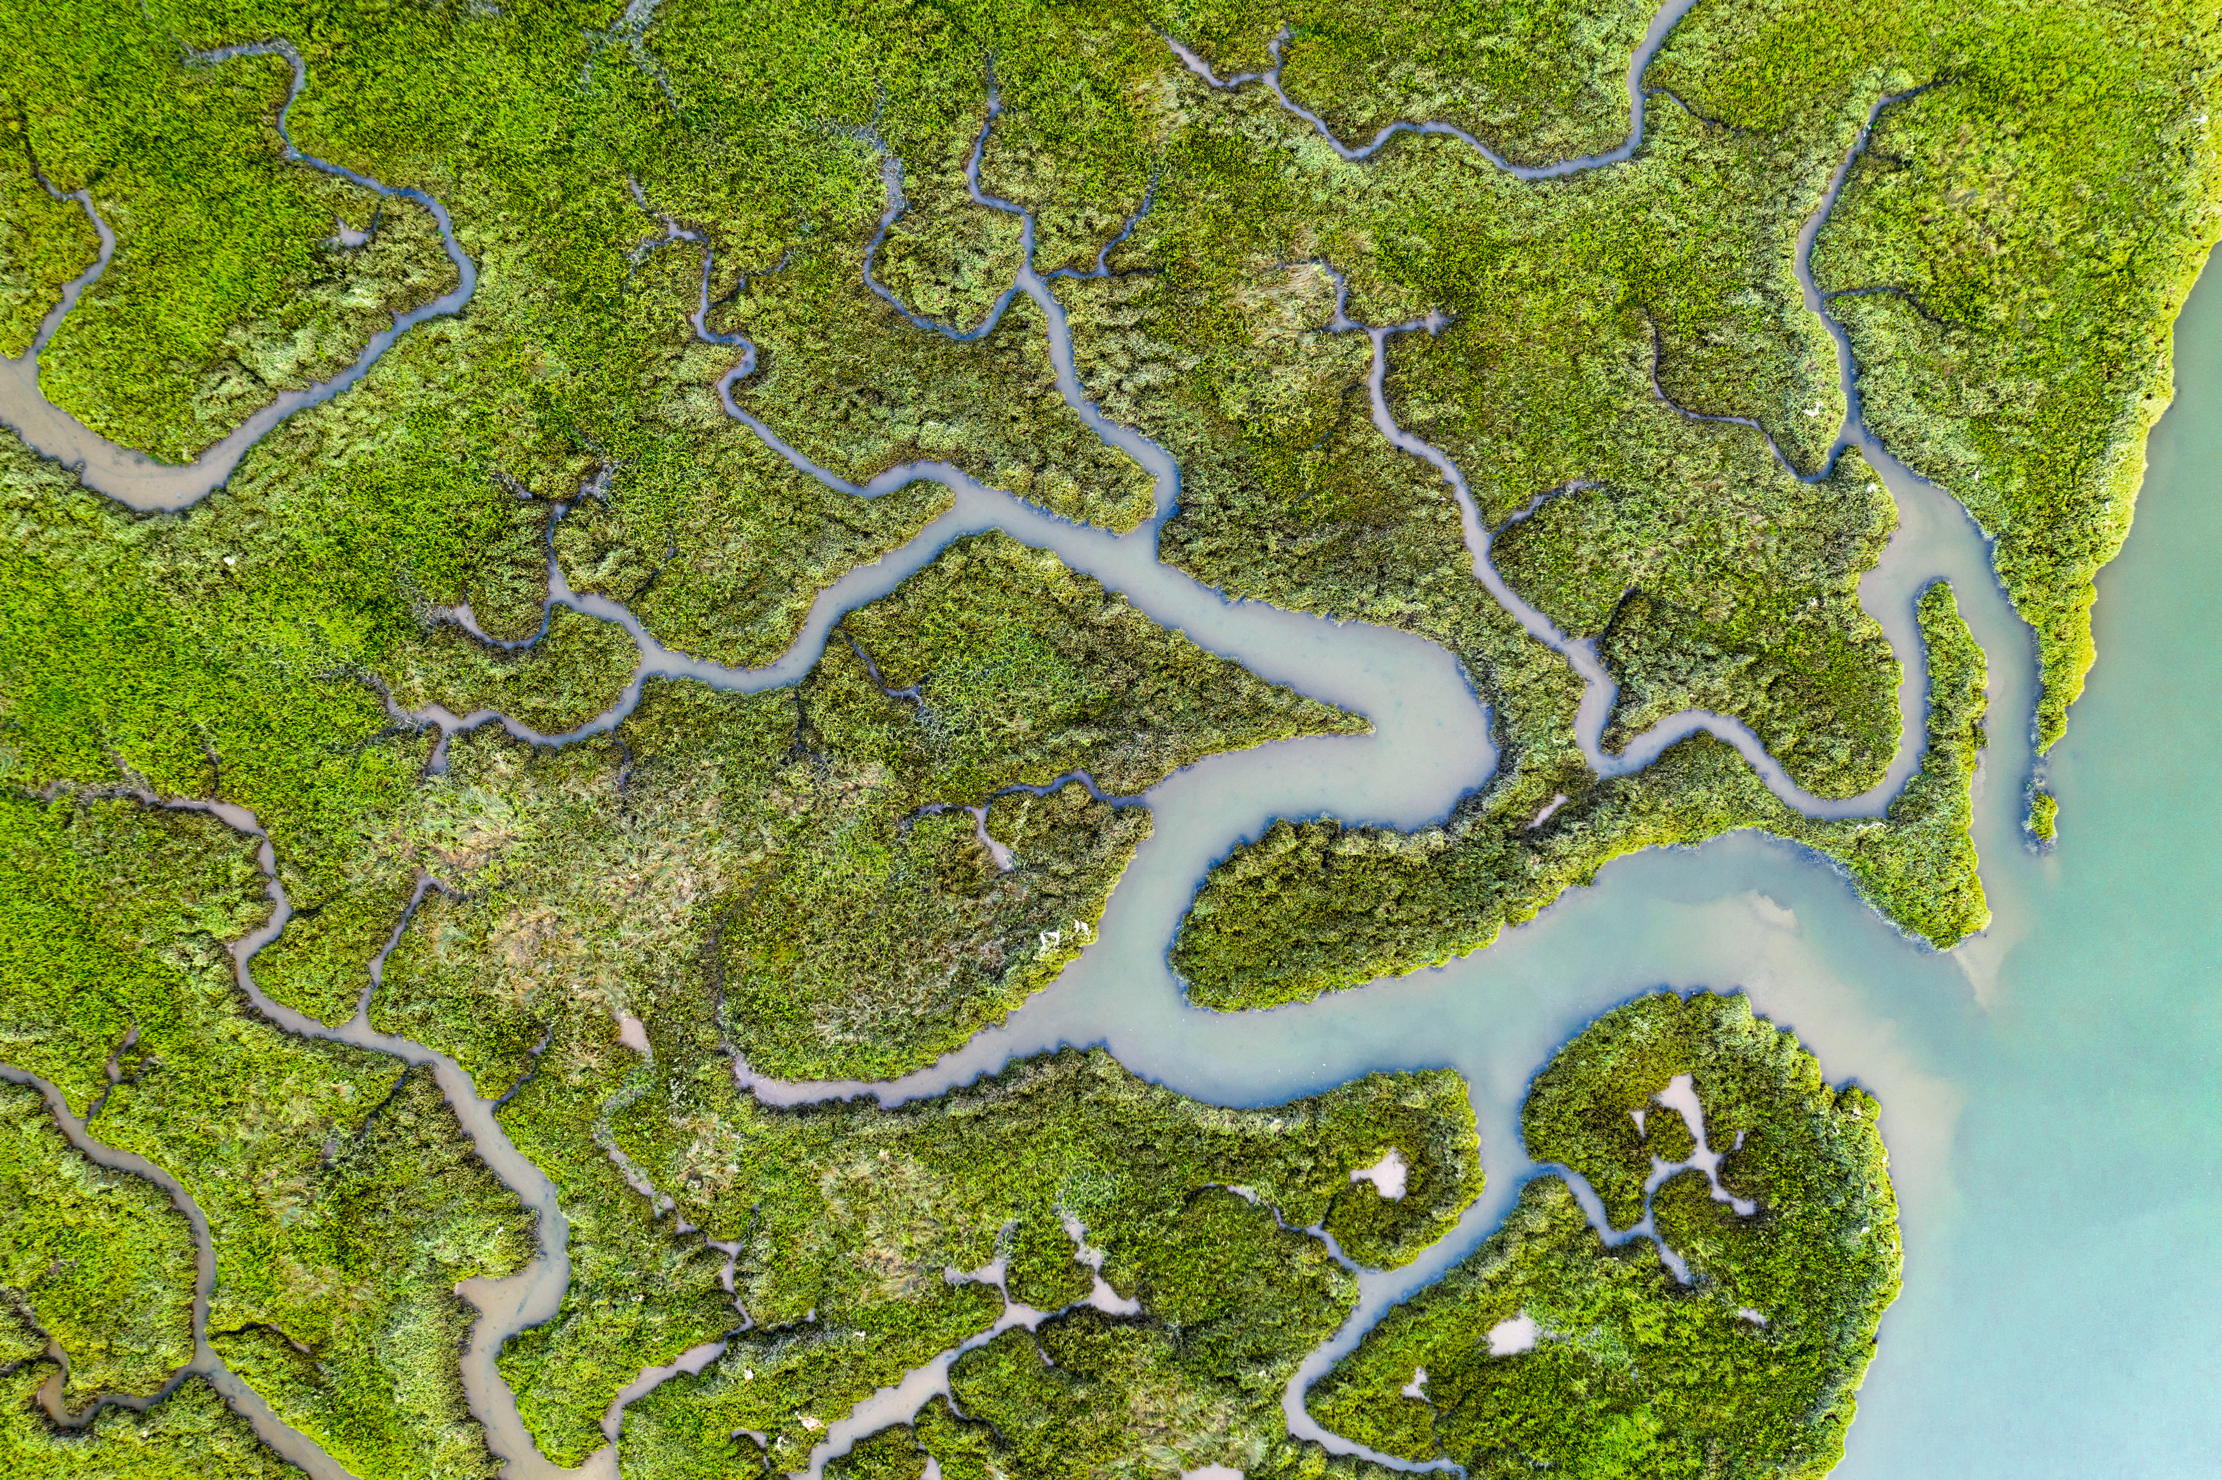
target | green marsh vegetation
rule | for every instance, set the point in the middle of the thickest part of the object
(575, 353)
(588, 881)
(44, 243)
(1537, 84)
(777, 843)
(96, 1261)
(760, 874)
(853, 385)
(1709, 574)
(343, 1201)
(232, 262)
(189, 1435)
(2020, 238)
(1748, 1367)
(812, 845)
(1312, 907)
(864, 1234)
(1757, 103)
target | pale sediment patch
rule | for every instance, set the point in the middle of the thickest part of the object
(1387, 1175)
(1509, 1338)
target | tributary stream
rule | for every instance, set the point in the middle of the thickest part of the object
(2047, 1089)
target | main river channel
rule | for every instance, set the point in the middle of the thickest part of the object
(2051, 1091)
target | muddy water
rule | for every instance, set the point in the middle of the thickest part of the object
(1962, 1050)
(133, 477)
(244, 1400)
(2061, 1287)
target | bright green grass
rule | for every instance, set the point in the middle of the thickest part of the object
(1747, 1369)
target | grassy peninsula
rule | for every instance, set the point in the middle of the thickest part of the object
(1550, 1349)
(706, 237)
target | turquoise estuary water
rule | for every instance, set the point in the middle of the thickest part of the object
(2064, 1252)
(2052, 1091)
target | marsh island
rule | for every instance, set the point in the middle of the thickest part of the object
(608, 609)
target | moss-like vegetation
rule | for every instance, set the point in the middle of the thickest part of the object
(343, 1201)
(813, 842)
(189, 1435)
(241, 652)
(642, 1290)
(44, 243)
(1713, 576)
(1747, 605)
(96, 1261)
(238, 273)
(1537, 84)
(1564, 299)
(577, 669)
(797, 878)
(786, 845)
(1746, 1367)
(2019, 241)
(855, 1225)
(1311, 907)
(855, 386)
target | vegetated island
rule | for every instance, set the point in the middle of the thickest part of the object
(1728, 1338)
(732, 268)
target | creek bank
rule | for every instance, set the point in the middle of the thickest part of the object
(506, 1305)
(287, 1442)
(1655, 36)
(1431, 745)
(133, 478)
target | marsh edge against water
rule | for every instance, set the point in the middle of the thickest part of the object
(526, 918)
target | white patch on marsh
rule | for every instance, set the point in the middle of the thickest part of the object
(1100, 1293)
(632, 1033)
(1387, 1175)
(1747, 1313)
(1681, 1095)
(1511, 1337)
(1417, 1387)
(1544, 816)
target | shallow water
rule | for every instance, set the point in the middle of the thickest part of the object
(2048, 1090)
(131, 476)
(2064, 1292)
(2045, 1089)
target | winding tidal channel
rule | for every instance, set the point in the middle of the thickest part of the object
(1967, 1052)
